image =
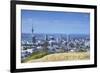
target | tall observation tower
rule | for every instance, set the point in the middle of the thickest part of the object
(33, 36)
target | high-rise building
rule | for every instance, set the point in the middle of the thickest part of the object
(67, 38)
(46, 37)
(33, 35)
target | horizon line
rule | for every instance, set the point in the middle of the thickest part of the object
(54, 33)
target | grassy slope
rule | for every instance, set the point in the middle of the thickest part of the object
(62, 57)
(35, 55)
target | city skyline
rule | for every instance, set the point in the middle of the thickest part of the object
(55, 22)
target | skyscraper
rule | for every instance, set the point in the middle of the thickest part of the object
(33, 35)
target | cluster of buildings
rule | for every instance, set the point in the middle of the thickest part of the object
(53, 44)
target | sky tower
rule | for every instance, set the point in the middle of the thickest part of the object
(33, 35)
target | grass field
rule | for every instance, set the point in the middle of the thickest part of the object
(60, 57)
(35, 55)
